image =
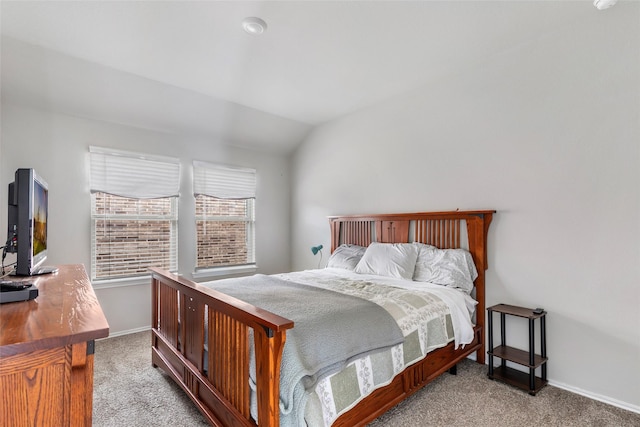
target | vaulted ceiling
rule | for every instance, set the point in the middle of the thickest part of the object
(317, 60)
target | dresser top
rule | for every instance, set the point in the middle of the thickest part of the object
(65, 312)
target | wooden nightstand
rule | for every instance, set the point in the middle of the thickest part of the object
(517, 378)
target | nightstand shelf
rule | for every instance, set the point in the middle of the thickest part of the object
(528, 382)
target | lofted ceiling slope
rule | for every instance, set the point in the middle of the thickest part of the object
(189, 64)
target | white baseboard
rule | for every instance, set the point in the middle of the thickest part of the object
(127, 332)
(604, 399)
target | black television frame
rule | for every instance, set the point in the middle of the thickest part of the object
(22, 227)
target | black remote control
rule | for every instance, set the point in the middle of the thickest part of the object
(538, 310)
(9, 286)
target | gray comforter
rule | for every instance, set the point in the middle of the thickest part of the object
(331, 329)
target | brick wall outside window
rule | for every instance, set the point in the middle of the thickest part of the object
(224, 230)
(131, 235)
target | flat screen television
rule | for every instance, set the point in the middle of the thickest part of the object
(28, 215)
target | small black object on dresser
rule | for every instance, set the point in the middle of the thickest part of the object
(528, 382)
(11, 291)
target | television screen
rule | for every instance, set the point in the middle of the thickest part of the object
(28, 216)
(40, 205)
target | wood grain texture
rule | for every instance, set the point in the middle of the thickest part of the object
(66, 312)
(46, 374)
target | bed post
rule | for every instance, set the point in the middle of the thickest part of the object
(335, 233)
(269, 345)
(154, 314)
(477, 230)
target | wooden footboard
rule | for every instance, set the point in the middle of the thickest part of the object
(219, 385)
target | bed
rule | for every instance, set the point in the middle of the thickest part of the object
(227, 351)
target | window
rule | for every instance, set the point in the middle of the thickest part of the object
(225, 215)
(134, 213)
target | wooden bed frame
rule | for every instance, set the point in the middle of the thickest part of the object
(222, 393)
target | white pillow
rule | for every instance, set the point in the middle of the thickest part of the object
(448, 267)
(389, 259)
(346, 256)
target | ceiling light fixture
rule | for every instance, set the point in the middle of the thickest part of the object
(604, 4)
(254, 26)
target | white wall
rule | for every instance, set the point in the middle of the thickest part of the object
(56, 145)
(549, 136)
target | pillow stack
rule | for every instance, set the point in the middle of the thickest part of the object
(410, 261)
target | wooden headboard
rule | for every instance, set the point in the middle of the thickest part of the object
(441, 229)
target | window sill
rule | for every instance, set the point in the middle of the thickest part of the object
(224, 271)
(118, 283)
(198, 274)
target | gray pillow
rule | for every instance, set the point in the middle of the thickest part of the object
(346, 256)
(447, 267)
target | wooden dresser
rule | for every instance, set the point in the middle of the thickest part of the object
(46, 352)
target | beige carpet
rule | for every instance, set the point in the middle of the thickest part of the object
(129, 392)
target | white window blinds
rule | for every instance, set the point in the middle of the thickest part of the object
(223, 182)
(134, 213)
(133, 175)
